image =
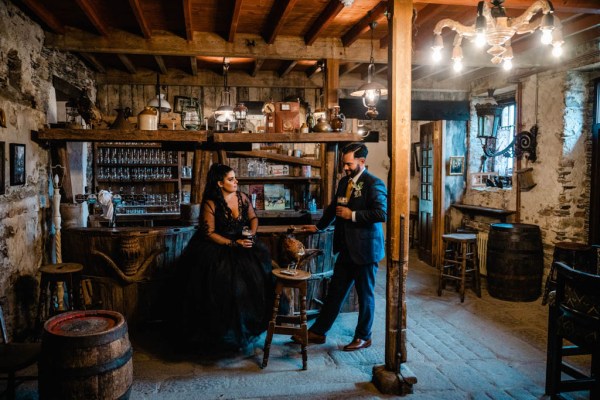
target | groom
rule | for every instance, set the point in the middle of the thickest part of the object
(358, 238)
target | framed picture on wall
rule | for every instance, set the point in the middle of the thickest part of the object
(457, 165)
(2, 168)
(17, 164)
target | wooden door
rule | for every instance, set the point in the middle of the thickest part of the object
(426, 193)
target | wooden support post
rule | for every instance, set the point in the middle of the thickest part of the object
(394, 377)
(332, 82)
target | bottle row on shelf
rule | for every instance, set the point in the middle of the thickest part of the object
(121, 155)
(135, 173)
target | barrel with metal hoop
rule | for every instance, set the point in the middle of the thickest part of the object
(515, 261)
(579, 256)
(320, 266)
(86, 355)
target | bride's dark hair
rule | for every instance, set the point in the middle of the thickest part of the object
(212, 191)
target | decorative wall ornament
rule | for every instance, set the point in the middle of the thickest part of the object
(526, 144)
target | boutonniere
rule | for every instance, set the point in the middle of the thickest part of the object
(357, 189)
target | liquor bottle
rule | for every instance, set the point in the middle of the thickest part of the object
(310, 119)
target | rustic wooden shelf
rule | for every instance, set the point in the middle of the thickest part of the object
(320, 137)
(472, 210)
(277, 157)
(118, 135)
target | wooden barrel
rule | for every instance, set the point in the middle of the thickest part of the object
(515, 262)
(86, 355)
(578, 256)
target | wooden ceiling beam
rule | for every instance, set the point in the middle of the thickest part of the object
(571, 27)
(312, 71)
(571, 6)
(194, 65)
(93, 62)
(160, 62)
(127, 63)
(212, 44)
(235, 19)
(363, 25)
(92, 15)
(257, 66)
(187, 16)
(323, 20)
(286, 68)
(279, 12)
(42, 12)
(139, 16)
(348, 67)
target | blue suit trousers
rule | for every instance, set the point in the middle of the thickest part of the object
(345, 274)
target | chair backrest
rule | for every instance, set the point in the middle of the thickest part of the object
(578, 295)
(3, 326)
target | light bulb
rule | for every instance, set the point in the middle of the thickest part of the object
(437, 54)
(557, 50)
(546, 36)
(457, 65)
(480, 39)
(507, 65)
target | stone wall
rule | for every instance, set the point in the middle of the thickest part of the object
(26, 71)
(560, 102)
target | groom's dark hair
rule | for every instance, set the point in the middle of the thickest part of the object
(359, 150)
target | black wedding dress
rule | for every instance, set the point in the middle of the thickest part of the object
(230, 289)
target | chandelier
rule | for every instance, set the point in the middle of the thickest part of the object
(371, 92)
(494, 28)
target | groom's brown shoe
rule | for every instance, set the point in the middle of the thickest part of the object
(357, 344)
(312, 338)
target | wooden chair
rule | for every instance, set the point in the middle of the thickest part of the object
(15, 357)
(573, 316)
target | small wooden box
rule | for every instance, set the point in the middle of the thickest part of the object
(287, 116)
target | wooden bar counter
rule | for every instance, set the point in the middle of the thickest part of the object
(130, 268)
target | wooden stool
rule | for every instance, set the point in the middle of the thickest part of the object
(454, 262)
(52, 274)
(275, 325)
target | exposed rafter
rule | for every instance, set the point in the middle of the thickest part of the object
(93, 62)
(42, 12)
(323, 20)
(139, 16)
(194, 65)
(572, 6)
(127, 63)
(160, 62)
(286, 68)
(364, 24)
(316, 68)
(347, 68)
(257, 66)
(90, 12)
(279, 13)
(187, 17)
(235, 19)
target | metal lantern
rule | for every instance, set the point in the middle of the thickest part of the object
(240, 111)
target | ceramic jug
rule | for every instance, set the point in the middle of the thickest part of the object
(148, 119)
(121, 121)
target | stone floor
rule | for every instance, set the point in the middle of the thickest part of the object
(481, 349)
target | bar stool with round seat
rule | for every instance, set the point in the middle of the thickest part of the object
(299, 327)
(52, 274)
(459, 262)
